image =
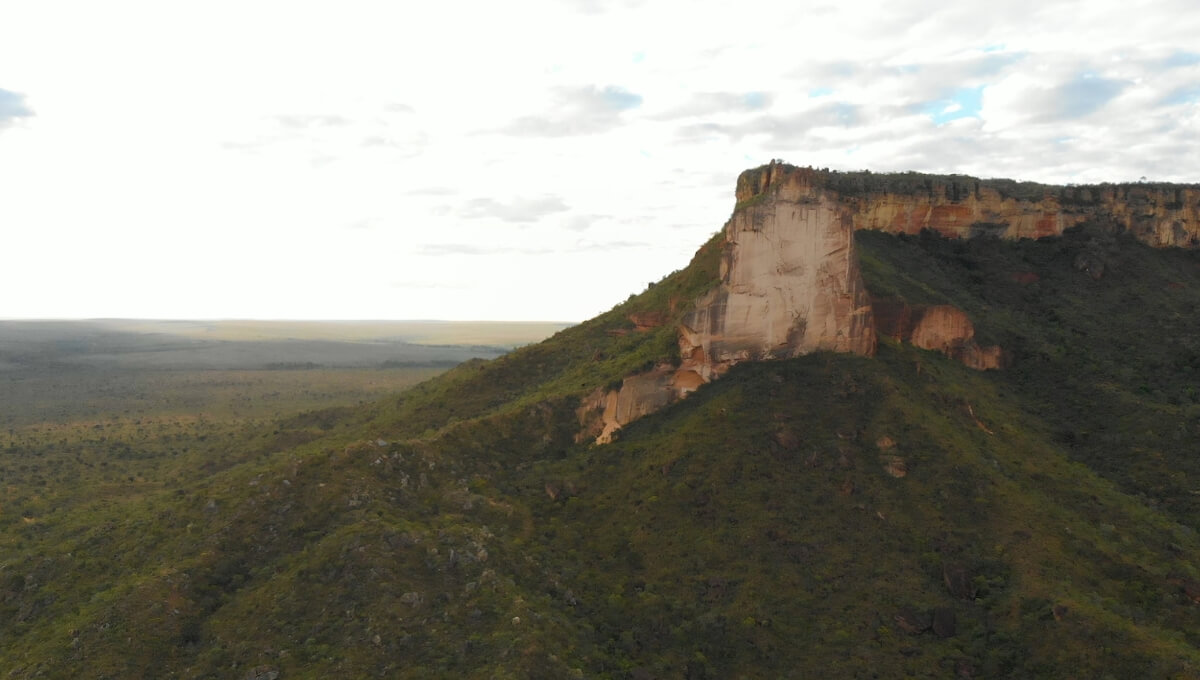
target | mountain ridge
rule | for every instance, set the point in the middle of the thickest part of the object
(1158, 214)
(823, 515)
(790, 282)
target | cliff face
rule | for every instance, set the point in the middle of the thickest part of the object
(790, 285)
(1159, 215)
(1157, 218)
(790, 281)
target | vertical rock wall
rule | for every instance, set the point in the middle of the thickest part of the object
(790, 281)
(790, 286)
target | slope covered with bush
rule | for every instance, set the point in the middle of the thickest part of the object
(826, 516)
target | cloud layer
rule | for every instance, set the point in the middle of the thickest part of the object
(576, 111)
(12, 108)
(503, 167)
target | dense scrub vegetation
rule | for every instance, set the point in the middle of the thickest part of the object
(961, 187)
(828, 516)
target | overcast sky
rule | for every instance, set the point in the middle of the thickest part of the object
(519, 159)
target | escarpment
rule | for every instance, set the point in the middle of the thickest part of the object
(958, 206)
(790, 285)
(790, 282)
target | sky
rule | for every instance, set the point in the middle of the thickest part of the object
(520, 160)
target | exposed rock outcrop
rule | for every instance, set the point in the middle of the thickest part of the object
(605, 411)
(942, 328)
(790, 281)
(644, 321)
(962, 207)
(790, 285)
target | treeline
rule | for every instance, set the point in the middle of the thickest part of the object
(960, 187)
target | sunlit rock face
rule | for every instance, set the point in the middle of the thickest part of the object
(790, 285)
(1157, 217)
(941, 328)
(790, 281)
(964, 207)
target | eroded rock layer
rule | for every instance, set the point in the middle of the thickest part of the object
(790, 285)
(790, 281)
(941, 328)
(1159, 215)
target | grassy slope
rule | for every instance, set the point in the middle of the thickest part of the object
(750, 531)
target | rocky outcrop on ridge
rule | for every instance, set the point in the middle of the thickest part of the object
(790, 282)
(790, 285)
(956, 206)
(942, 328)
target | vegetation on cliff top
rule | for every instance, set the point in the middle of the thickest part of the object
(960, 187)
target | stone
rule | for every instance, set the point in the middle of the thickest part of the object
(958, 581)
(790, 284)
(895, 466)
(941, 328)
(944, 622)
(913, 621)
(644, 321)
(787, 439)
(606, 411)
(262, 673)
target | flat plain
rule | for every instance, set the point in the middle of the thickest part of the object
(105, 412)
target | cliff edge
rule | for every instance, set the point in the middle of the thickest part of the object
(958, 206)
(790, 282)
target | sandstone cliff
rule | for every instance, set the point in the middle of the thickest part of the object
(962, 207)
(790, 284)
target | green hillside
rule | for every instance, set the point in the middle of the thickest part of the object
(828, 516)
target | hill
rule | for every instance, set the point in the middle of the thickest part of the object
(850, 496)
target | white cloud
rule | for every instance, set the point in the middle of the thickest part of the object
(12, 108)
(299, 159)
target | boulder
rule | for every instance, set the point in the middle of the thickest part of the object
(958, 581)
(913, 621)
(895, 466)
(944, 622)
